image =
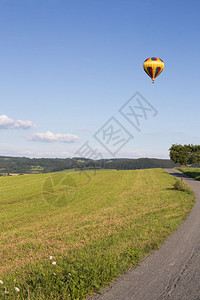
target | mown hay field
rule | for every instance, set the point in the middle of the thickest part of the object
(66, 235)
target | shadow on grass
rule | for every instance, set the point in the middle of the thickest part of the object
(195, 175)
(179, 174)
(186, 190)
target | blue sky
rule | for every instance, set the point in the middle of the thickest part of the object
(67, 67)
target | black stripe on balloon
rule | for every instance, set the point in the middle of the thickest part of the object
(150, 71)
(157, 71)
(147, 72)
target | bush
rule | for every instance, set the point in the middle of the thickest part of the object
(181, 186)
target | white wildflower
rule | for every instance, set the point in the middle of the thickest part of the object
(50, 257)
(17, 289)
(54, 274)
(1, 282)
(54, 263)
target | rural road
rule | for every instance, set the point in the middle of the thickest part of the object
(172, 271)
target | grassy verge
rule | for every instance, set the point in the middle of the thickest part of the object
(192, 172)
(100, 225)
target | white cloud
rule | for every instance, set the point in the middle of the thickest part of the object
(142, 154)
(8, 123)
(9, 151)
(53, 137)
(42, 154)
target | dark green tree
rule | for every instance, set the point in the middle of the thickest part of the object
(179, 154)
(185, 154)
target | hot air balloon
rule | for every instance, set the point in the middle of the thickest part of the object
(153, 66)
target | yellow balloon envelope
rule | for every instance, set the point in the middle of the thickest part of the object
(153, 66)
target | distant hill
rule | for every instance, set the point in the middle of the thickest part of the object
(45, 165)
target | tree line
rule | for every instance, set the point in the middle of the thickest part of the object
(46, 165)
(179, 155)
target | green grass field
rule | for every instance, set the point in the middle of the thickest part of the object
(95, 225)
(192, 172)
